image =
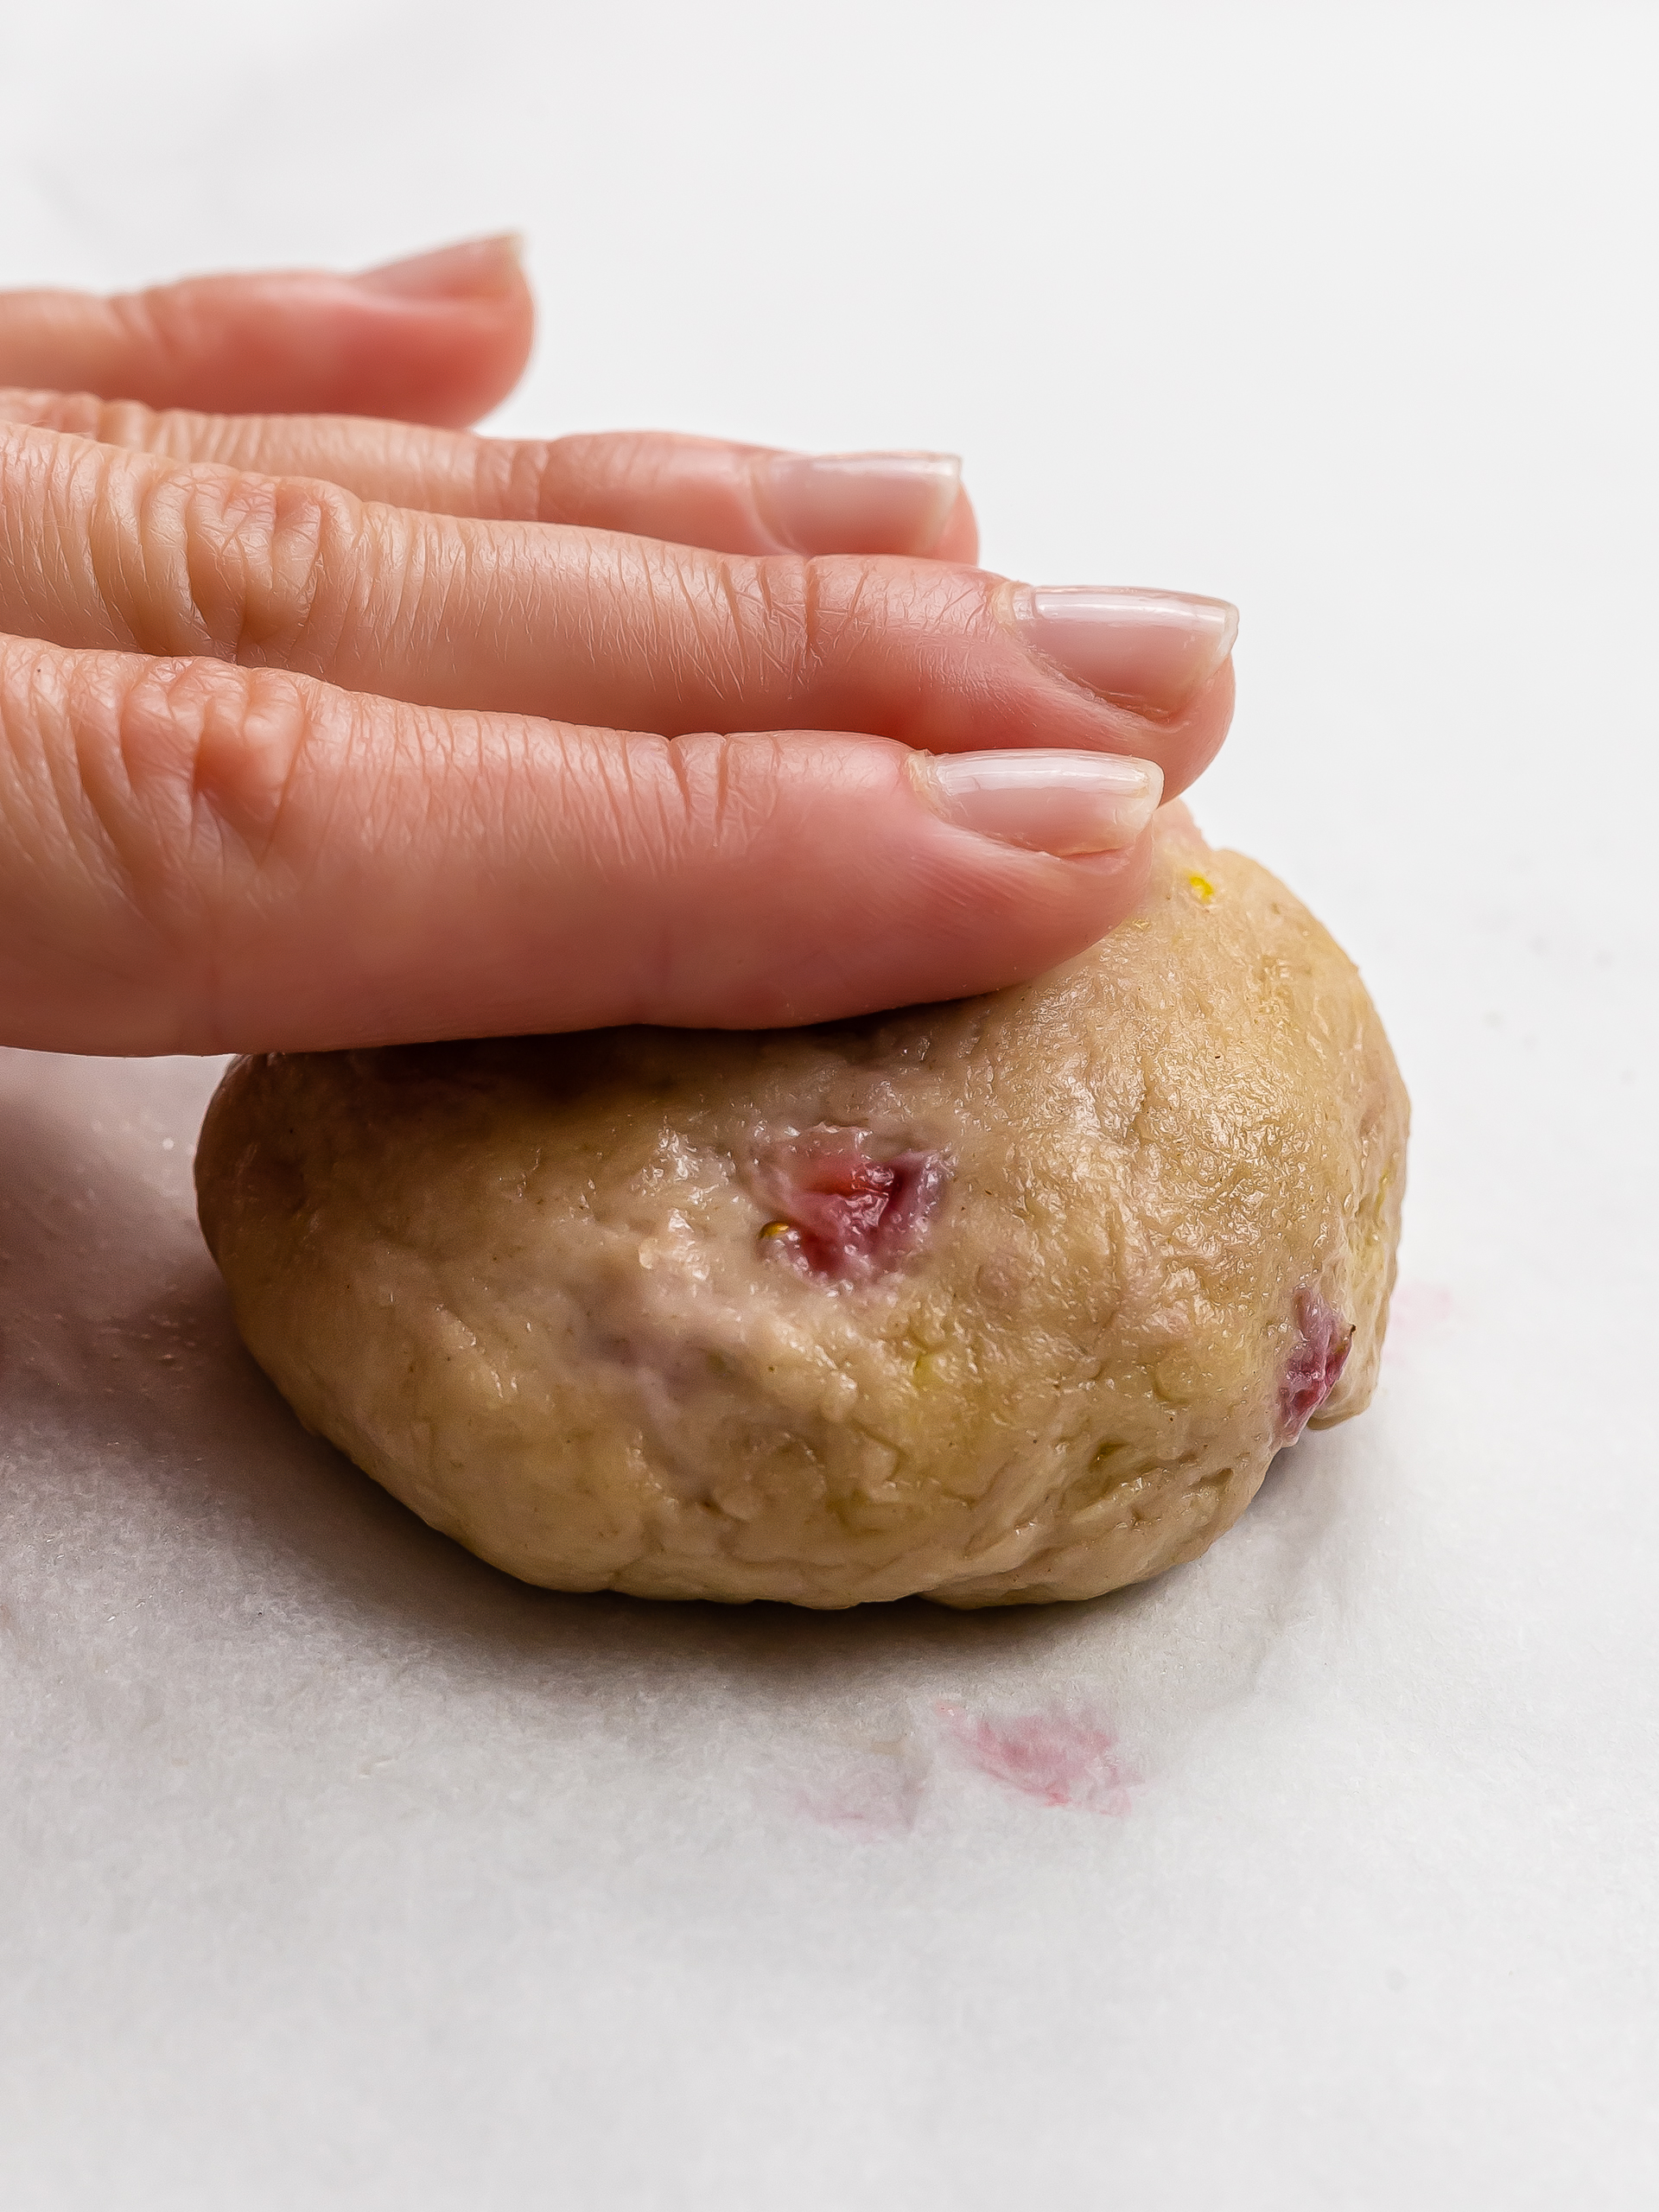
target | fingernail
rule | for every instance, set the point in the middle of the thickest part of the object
(1062, 803)
(1152, 650)
(856, 502)
(477, 268)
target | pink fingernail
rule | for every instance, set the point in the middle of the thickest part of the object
(1151, 650)
(477, 268)
(1062, 803)
(856, 502)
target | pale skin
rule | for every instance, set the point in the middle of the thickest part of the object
(324, 722)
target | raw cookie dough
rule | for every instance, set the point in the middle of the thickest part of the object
(1008, 1299)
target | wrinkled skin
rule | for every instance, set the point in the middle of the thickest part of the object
(1002, 1300)
(321, 725)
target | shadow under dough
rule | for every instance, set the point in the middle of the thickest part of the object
(116, 1347)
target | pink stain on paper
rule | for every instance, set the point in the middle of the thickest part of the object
(1417, 1311)
(876, 1797)
(1058, 1758)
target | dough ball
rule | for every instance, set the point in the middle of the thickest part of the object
(1008, 1299)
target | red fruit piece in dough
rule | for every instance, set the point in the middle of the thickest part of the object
(1320, 1354)
(846, 1217)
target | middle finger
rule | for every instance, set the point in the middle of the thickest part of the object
(104, 548)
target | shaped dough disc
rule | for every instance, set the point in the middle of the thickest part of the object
(1008, 1299)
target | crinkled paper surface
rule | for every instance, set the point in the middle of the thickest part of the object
(338, 1862)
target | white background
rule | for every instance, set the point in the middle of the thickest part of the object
(335, 1869)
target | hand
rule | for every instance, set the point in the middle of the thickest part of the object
(318, 730)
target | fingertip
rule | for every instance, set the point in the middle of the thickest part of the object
(864, 897)
(443, 359)
(1013, 912)
(853, 503)
(441, 339)
(1191, 742)
(958, 541)
(991, 919)
(486, 268)
(461, 321)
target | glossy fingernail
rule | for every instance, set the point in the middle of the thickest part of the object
(477, 268)
(1148, 650)
(1062, 803)
(856, 502)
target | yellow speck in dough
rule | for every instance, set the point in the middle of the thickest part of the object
(1205, 889)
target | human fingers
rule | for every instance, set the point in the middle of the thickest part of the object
(732, 499)
(437, 339)
(104, 548)
(195, 857)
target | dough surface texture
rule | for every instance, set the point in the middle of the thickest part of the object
(1009, 1299)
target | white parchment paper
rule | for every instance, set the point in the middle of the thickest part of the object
(336, 1868)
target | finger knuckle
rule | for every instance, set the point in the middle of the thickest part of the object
(127, 422)
(521, 480)
(799, 619)
(755, 628)
(169, 328)
(202, 762)
(256, 551)
(124, 548)
(533, 480)
(727, 792)
(628, 805)
(162, 786)
(200, 560)
(78, 413)
(53, 537)
(635, 806)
